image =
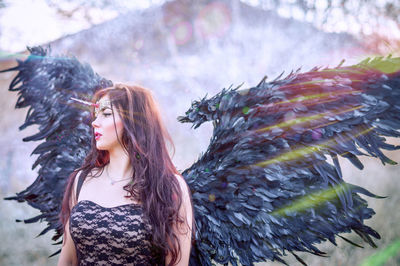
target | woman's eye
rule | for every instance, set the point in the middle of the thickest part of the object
(106, 115)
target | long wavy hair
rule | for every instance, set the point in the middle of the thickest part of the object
(153, 183)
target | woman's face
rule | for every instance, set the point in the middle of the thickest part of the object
(104, 125)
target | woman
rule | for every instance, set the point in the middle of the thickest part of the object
(133, 207)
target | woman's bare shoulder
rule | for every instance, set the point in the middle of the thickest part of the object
(183, 186)
(180, 179)
(92, 173)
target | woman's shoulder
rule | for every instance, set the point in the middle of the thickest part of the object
(92, 173)
(179, 177)
(81, 179)
(183, 186)
(180, 180)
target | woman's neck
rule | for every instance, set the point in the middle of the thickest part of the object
(119, 166)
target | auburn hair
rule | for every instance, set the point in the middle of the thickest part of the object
(153, 183)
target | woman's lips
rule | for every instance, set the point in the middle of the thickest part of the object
(97, 136)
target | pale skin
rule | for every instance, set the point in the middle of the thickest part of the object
(100, 190)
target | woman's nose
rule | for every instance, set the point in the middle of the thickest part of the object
(94, 123)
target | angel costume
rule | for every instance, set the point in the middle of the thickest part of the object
(264, 186)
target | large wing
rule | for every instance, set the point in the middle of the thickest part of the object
(46, 84)
(264, 185)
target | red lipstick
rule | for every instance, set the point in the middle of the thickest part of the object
(97, 135)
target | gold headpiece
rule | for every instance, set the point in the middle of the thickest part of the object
(98, 106)
(101, 105)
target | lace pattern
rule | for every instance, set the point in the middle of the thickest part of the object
(112, 236)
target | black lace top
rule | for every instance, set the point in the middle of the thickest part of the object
(112, 236)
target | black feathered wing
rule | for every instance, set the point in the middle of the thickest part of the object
(46, 84)
(264, 185)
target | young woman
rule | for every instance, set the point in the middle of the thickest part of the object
(131, 207)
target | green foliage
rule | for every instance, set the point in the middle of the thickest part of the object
(382, 256)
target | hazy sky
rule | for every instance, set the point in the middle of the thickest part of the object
(33, 22)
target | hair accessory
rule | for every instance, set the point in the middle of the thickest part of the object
(98, 106)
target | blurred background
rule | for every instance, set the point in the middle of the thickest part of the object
(184, 50)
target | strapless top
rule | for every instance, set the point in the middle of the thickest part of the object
(112, 236)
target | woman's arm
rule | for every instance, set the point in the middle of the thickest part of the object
(184, 232)
(68, 252)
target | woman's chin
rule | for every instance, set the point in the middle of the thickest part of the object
(105, 147)
(100, 146)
